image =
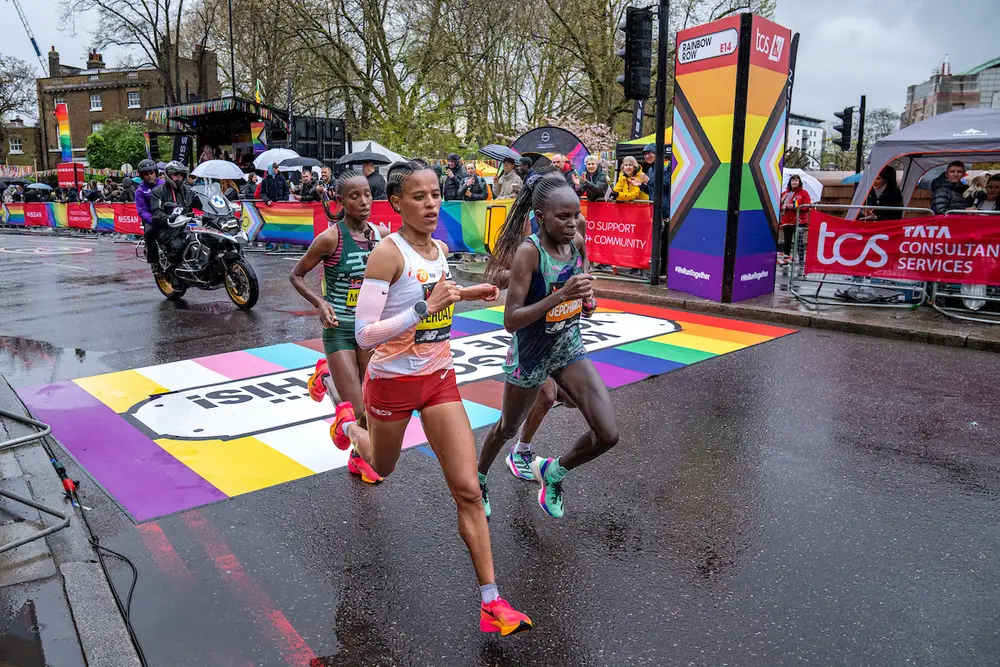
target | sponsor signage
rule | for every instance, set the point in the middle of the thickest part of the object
(712, 45)
(955, 248)
(239, 408)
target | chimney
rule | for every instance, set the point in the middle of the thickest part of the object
(95, 61)
(17, 122)
(54, 62)
(946, 67)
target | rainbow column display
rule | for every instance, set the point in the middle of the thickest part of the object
(728, 145)
(65, 142)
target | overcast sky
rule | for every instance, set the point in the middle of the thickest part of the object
(847, 48)
(850, 48)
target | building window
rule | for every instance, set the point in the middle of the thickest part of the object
(15, 147)
(58, 99)
(133, 74)
(133, 100)
(95, 102)
(94, 77)
(96, 127)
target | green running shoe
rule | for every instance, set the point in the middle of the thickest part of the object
(520, 463)
(486, 495)
(550, 495)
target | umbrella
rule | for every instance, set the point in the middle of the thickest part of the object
(498, 152)
(39, 186)
(300, 162)
(136, 180)
(852, 179)
(812, 186)
(272, 155)
(364, 156)
(218, 169)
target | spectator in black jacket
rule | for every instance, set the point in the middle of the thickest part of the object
(595, 182)
(376, 182)
(647, 165)
(307, 187)
(562, 163)
(885, 192)
(275, 187)
(250, 188)
(948, 192)
(474, 188)
(454, 178)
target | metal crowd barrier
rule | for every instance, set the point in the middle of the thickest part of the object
(908, 293)
(967, 298)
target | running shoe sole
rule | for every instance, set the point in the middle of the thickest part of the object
(317, 390)
(355, 468)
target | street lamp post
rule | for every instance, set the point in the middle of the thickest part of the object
(232, 52)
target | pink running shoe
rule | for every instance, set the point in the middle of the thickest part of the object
(317, 390)
(499, 616)
(358, 466)
(345, 414)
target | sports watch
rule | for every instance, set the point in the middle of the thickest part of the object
(420, 308)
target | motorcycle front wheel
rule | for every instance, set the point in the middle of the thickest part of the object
(167, 288)
(241, 284)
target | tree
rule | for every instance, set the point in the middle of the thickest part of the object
(17, 90)
(797, 158)
(117, 143)
(150, 27)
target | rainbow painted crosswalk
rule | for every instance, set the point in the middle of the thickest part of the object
(166, 438)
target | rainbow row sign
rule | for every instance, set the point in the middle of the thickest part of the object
(170, 437)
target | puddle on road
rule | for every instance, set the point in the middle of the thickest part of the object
(26, 362)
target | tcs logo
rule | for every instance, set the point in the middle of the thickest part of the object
(836, 256)
(771, 45)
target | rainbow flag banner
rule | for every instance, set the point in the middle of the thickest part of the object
(59, 215)
(105, 217)
(13, 214)
(170, 437)
(258, 137)
(65, 141)
(460, 225)
(287, 222)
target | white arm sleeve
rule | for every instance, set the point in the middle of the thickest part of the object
(369, 330)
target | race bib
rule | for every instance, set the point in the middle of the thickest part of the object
(564, 315)
(352, 292)
(437, 327)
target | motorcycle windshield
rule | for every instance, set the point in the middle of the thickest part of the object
(212, 200)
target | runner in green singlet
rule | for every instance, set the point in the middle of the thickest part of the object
(343, 249)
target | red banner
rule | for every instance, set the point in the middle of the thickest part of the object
(619, 234)
(947, 249)
(127, 219)
(70, 174)
(37, 215)
(382, 213)
(78, 216)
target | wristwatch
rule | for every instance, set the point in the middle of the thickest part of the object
(420, 308)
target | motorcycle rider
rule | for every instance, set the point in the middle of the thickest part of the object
(174, 193)
(147, 172)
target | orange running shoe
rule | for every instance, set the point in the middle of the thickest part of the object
(499, 616)
(345, 414)
(358, 466)
(317, 390)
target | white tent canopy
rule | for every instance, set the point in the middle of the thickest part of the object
(969, 135)
(376, 147)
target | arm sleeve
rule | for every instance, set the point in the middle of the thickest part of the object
(369, 330)
(142, 207)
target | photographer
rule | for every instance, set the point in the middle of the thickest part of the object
(455, 178)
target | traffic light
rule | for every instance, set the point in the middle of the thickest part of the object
(846, 119)
(638, 53)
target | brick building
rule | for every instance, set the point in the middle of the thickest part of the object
(20, 146)
(97, 94)
(945, 92)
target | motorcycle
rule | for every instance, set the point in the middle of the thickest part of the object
(205, 252)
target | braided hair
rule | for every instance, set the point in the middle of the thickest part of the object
(533, 197)
(338, 187)
(398, 173)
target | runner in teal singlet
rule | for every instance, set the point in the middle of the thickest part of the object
(548, 293)
(343, 249)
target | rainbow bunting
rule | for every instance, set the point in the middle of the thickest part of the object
(65, 141)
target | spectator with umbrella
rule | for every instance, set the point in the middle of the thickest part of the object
(249, 189)
(274, 187)
(509, 183)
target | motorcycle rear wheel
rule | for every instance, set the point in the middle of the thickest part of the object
(167, 288)
(241, 284)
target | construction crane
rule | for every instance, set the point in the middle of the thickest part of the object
(31, 35)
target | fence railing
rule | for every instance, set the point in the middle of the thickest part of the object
(965, 302)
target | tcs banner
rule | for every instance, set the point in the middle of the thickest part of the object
(946, 249)
(619, 234)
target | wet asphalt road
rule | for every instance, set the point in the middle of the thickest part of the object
(821, 499)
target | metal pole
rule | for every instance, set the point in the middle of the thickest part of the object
(232, 52)
(861, 139)
(792, 56)
(638, 108)
(655, 261)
